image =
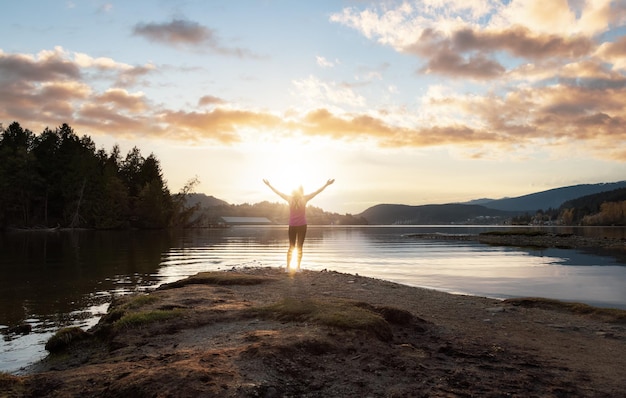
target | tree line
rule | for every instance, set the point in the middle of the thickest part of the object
(57, 178)
(604, 208)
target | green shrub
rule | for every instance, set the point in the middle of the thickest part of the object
(64, 338)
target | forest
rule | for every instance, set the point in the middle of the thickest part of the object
(58, 179)
(605, 208)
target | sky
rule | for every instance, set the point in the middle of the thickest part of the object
(407, 102)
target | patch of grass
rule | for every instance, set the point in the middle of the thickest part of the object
(515, 232)
(142, 318)
(218, 278)
(141, 300)
(339, 314)
(291, 309)
(391, 314)
(611, 315)
(65, 337)
(121, 306)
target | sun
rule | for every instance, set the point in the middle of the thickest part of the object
(290, 165)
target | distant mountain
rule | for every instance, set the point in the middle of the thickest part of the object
(552, 198)
(204, 200)
(483, 210)
(594, 202)
(481, 201)
(433, 214)
(478, 211)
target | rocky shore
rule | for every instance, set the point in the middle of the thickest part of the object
(261, 332)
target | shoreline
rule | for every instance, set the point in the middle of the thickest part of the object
(265, 333)
(531, 239)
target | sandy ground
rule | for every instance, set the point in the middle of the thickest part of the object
(228, 338)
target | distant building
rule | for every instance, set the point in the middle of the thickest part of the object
(245, 220)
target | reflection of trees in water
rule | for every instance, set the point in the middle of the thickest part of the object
(50, 273)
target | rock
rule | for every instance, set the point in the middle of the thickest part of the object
(23, 328)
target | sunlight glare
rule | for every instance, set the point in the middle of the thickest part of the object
(292, 163)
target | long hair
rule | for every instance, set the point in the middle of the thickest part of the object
(297, 198)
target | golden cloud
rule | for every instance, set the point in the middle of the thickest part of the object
(222, 125)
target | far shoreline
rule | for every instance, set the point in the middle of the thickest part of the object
(531, 237)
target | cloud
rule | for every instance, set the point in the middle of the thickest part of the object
(576, 103)
(614, 52)
(210, 100)
(45, 67)
(220, 125)
(109, 119)
(123, 100)
(323, 62)
(520, 42)
(469, 40)
(103, 63)
(542, 74)
(526, 117)
(182, 33)
(319, 92)
(366, 127)
(563, 18)
(451, 63)
(176, 32)
(51, 88)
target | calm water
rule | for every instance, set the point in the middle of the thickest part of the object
(51, 280)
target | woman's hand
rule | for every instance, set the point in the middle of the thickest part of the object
(330, 181)
(266, 182)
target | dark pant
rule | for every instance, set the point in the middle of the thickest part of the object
(296, 239)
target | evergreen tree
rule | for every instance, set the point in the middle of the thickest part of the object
(18, 175)
(60, 178)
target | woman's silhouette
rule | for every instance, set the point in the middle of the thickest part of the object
(297, 218)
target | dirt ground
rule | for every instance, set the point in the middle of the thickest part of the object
(227, 338)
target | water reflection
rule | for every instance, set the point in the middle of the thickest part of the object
(61, 272)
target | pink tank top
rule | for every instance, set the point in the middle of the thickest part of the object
(297, 215)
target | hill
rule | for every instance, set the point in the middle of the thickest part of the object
(479, 211)
(593, 202)
(434, 214)
(551, 199)
(204, 200)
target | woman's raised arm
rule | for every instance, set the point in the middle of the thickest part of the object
(314, 194)
(276, 191)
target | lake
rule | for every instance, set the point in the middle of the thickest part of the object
(65, 278)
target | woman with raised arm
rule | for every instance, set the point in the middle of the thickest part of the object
(297, 218)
